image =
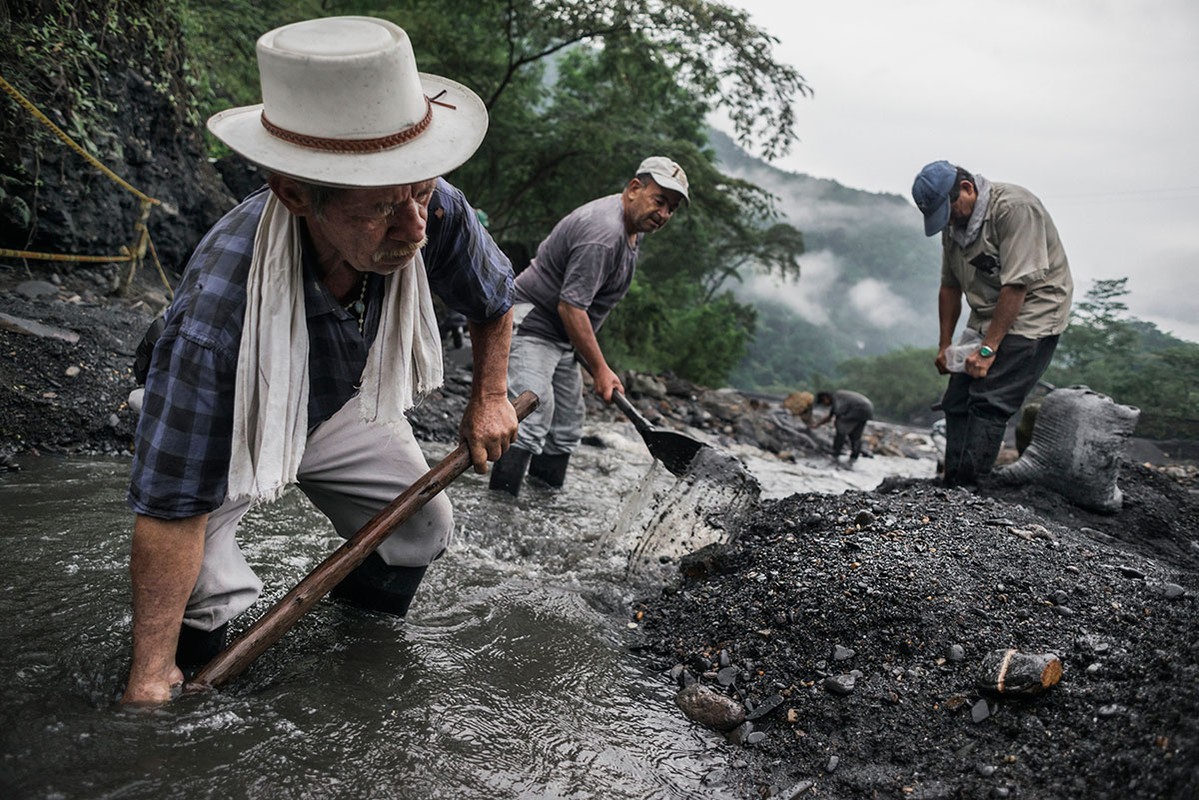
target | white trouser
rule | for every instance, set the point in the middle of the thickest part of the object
(350, 471)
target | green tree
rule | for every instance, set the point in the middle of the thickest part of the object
(902, 384)
(1097, 333)
(1131, 361)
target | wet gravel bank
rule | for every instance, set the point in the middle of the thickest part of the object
(852, 631)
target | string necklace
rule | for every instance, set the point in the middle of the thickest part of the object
(358, 307)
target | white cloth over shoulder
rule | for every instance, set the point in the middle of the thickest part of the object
(270, 417)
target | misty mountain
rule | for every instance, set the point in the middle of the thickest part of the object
(869, 277)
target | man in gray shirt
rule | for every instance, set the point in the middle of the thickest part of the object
(581, 271)
(849, 412)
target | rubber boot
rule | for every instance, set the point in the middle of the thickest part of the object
(196, 647)
(955, 443)
(984, 437)
(508, 473)
(378, 586)
(549, 468)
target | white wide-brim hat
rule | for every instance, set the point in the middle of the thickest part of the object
(344, 105)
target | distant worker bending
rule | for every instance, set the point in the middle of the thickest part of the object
(849, 413)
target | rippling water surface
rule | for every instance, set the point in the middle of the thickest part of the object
(511, 678)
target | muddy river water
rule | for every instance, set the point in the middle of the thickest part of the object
(511, 677)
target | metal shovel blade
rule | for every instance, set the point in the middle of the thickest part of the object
(674, 450)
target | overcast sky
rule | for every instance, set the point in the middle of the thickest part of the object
(1093, 105)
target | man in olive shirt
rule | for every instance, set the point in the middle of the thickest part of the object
(1001, 250)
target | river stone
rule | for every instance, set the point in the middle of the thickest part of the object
(765, 707)
(31, 290)
(709, 708)
(840, 684)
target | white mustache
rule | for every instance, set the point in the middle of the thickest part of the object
(399, 253)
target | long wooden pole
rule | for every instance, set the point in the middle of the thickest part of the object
(299, 601)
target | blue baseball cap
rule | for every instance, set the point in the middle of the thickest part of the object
(931, 193)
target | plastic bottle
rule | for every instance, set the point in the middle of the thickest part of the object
(956, 354)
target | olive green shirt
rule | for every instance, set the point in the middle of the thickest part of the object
(1019, 245)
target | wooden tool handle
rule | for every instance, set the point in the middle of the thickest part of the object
(274, 623)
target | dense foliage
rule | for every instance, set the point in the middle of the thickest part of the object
(1131, 361)
(578, 93)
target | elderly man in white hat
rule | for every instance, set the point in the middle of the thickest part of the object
(303, 328)
(581, 271)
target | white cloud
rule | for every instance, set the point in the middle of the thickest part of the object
(1091, 104)
(807, 297)
(876, 301)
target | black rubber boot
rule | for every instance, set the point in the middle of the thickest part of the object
(984, 437)
(509, 472)
(549, 468)
(955, 444)
(377, 586)
(196, 647)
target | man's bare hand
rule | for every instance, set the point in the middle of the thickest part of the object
(942, 362)
(978, 365)
(488, 428)
(606, 382)
(153, 690)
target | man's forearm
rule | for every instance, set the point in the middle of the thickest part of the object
(489, 343)
(582, 337)
(949, 308)
(1007, 308)
(164, 564)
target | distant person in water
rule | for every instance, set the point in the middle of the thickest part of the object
(581, 271)
(849, 412)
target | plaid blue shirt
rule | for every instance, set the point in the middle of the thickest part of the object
(181, 462)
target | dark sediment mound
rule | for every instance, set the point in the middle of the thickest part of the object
(858, 625)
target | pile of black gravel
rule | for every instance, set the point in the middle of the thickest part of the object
(865, 617)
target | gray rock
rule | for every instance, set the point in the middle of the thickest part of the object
(957, 653)
(831, 766)
(980, 711)
(1172, 591)
(709, 708)
(32, 290)
(840, 684)
(986, 770)
(765, 707)
(843, 653)
(727, 676)
(800, 789)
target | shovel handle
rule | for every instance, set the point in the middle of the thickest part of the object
(639, 422)
(271, 626)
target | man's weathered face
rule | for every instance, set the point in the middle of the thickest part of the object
(372, 229)
(648, 206)
(961, 207)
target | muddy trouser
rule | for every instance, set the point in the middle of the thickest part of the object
(852, 428)
(350, 471)
(977, 409)
(549, 370)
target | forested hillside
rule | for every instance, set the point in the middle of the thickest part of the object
(869, 278)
